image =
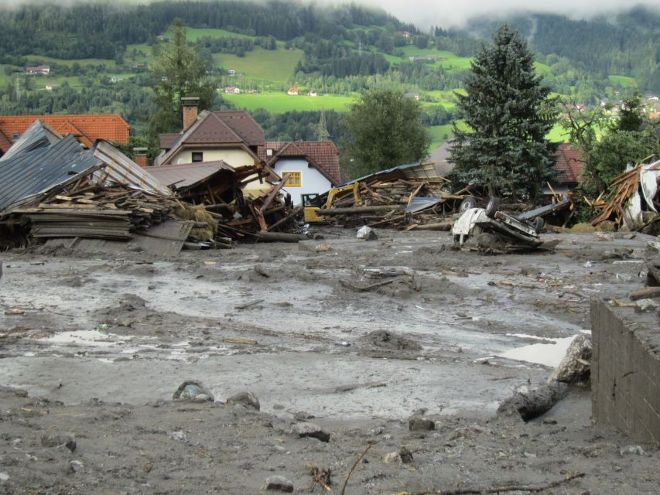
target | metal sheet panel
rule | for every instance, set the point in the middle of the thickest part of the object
(31, 173)
(122, 170)
(189, 174)
(36, 136)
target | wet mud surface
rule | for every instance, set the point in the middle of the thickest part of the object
(354, 336)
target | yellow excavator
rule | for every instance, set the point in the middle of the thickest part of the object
(312, 202)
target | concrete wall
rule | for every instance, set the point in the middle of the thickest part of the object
(626, 371)
(312, 180)
(233, 157)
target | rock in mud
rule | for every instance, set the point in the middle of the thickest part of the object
(279, 484)
(390, 341)
(76, 466)
(67, 440)
(417, 423)
(193, 391)
(367, 233)
(310, 430)
(405, 455)
(575, 367)
(245, 399)
(530, 403)
(391, 457)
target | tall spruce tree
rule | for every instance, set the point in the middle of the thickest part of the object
(178, 71)
(508, 113)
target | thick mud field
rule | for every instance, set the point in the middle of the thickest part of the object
(353, 336)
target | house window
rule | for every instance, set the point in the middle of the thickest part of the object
(292, 179)
(197, 156)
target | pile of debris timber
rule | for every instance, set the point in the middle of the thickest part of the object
(396, 203)
(98, 212)
(246, 202)
(268, 216)
(632, 199)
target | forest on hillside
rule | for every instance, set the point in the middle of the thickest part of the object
(100, 56)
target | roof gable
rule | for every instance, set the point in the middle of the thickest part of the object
(322, 155)
(210, 130)
(236, 128)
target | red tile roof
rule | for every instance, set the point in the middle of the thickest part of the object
(568, 165)
(323, 155)
(86, 127)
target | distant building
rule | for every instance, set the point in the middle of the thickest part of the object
(427, 58)
(232, 90)
(38, 70)
(312, 93)
(293, 91)
(231, 72)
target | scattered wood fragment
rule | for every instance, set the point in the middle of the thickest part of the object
(645, 293)
(249, 304)
(357, 461)
(239, 341)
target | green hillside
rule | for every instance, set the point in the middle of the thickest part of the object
(265, 65)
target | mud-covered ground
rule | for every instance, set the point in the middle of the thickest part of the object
(353, 336)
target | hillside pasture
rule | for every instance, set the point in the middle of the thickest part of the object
(266, 65)
(281, 102)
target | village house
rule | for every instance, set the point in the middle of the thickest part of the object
(568, 169)
(38, 70)
(308, 167)
(232, 90)
(85, 128)
(293, 91)
(233, 137)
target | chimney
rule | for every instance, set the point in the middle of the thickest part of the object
(190, 106)
(140, 156)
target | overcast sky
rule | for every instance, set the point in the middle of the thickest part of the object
(454, 12)
(451, 12)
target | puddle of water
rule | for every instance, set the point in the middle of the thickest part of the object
(545, 354)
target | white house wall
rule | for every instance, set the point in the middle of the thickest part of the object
(233, 157)
(312, 180)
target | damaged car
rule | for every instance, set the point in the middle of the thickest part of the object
(491, 229)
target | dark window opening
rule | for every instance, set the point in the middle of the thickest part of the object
(197, 156)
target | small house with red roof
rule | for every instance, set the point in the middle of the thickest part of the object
(86, 128)
(308, 167)
(568, 168)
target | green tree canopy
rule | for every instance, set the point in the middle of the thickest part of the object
(178, 71)
(609, 145)
(508, 112)
(384, 129)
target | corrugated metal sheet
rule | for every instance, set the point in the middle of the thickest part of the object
(420, 170)
(36, 136)
(121, 169)
(188, 174)
(31, 173)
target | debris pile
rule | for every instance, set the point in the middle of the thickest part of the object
(632, 200)
(96, 212)
(245, 202)
(402, 197)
